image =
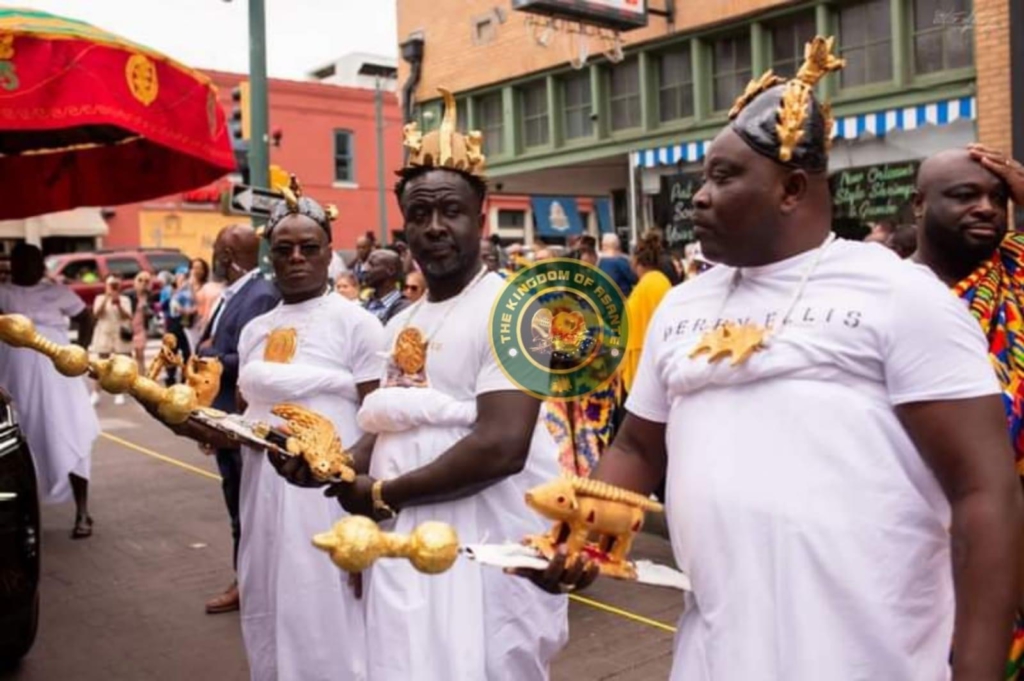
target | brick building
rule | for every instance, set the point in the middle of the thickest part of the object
(923, 75)
(328, 140)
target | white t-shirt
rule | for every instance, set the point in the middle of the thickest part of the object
(332, 332)
(814, 533)
(47, 304)
(460, 362)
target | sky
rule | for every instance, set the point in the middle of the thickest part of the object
(301, 34)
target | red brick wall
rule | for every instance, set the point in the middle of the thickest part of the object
(308, 113)
(992, 58)
(452, 60)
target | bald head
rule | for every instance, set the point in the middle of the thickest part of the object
(235, 252)
(961, 213)
(383, 268)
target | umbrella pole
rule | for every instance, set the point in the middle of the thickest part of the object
(259, 152)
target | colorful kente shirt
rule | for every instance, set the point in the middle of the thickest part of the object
(583, 428)
(995, 294)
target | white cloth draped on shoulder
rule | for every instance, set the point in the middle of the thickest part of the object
(56, 416)
(300, 617)
(473, 622)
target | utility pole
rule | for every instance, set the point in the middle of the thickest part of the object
(382, 201)
(259, 153)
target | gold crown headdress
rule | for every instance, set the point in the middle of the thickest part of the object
(795, 105)
(445, 147)
(297, 204)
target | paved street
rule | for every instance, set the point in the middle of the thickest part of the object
(128, 603)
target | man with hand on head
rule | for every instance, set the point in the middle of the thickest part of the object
(962, 209)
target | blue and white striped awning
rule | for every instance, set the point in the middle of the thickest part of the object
(878, 123)
(690, 152)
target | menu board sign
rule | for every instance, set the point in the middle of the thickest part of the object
(874, 193)
(677, 196)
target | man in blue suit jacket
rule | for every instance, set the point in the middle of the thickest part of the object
(247, 296)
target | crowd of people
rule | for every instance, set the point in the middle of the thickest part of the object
(839, 473)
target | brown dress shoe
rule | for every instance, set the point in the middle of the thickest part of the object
(226, 602)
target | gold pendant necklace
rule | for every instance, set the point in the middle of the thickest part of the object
(741, 341)
(409, 353)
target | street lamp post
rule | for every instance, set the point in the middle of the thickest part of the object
(259, 153)
(382, 202)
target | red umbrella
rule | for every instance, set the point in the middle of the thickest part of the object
(90, 119)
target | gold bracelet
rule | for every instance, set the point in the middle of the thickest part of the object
(376, 493)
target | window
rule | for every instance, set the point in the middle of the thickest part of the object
(624, 94)
(490, 121)
(788, 40)
(123, 268)
(511, 219)
(166, 262)
(483, 30)
(81, 270)
(462, 116)
(343, 169)
(534, 98)
(675, 85)
(731, 68)
(943, 35)
(578, 109)
(865, 39)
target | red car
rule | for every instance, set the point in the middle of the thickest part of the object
(86, 272)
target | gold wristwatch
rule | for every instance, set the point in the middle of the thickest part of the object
(379, 505)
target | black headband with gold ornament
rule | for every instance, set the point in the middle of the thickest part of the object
(782, 119)
(445, 147)
(296, 204)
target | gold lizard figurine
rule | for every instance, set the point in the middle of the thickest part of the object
(583, 508)
(313, 437)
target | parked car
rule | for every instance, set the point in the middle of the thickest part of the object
(19, 541)
(86, 272)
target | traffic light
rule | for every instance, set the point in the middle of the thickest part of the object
(238, 123)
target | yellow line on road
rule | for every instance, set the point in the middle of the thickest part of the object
(166, 459)
(622, 613)
(574, 597)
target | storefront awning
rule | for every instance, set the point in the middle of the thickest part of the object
(877, 123)
(80, 222)
(556, 216)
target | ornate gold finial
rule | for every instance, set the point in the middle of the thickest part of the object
(819, 61)
(292, 193)
(793, 113)
(755, 87)
(447, 131)
(118, 374)
(355, 543)
(445, 147)
(6, 46)
(830, 123)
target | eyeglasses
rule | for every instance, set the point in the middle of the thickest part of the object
(413, 289)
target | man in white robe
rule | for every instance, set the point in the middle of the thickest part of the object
(56, 416)
(840, 484)
(301, 618)
(456, 442)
